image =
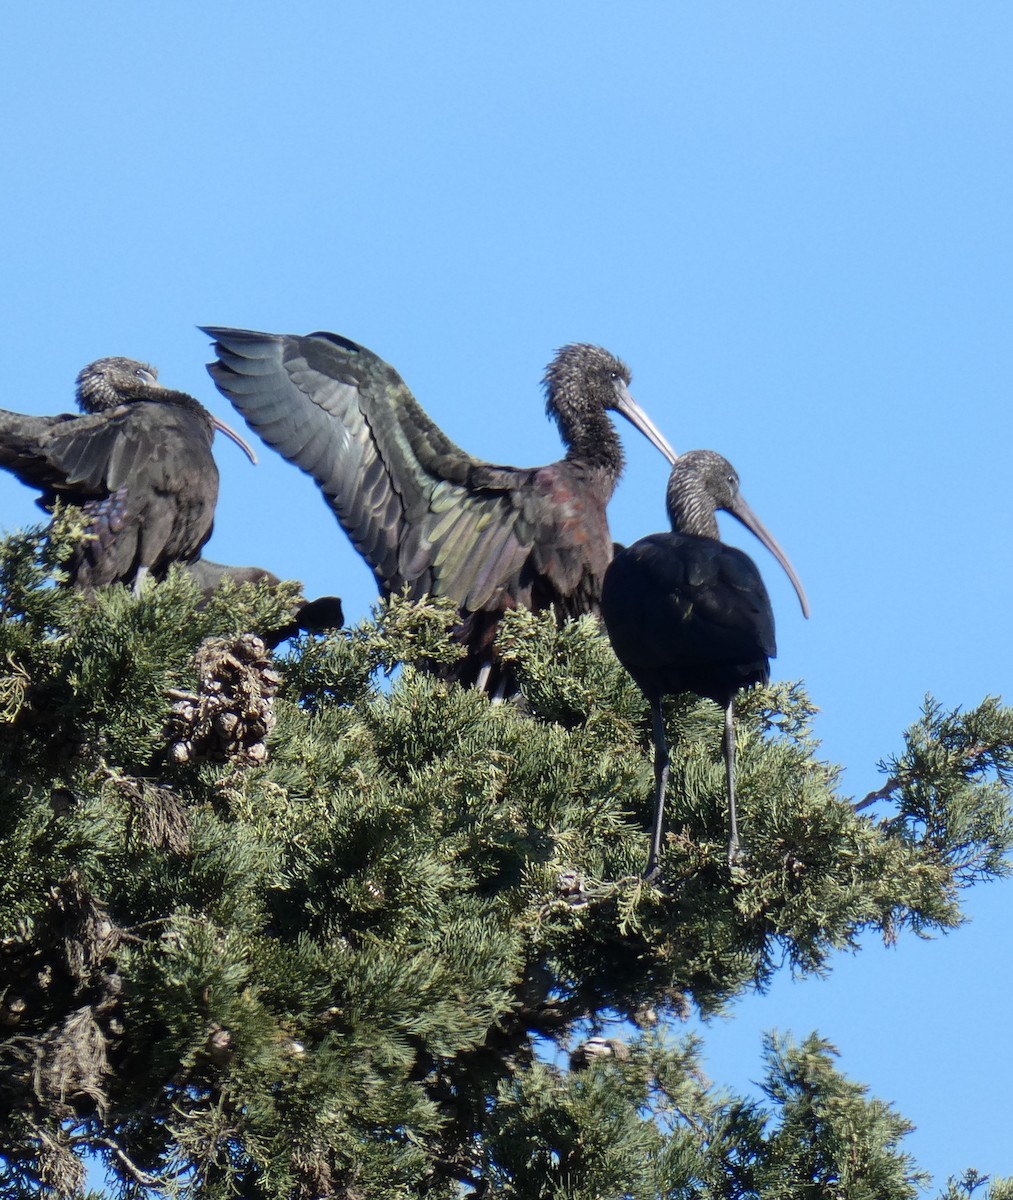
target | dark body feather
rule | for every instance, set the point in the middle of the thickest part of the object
(426, 515)
(138, 464)
(710, 603)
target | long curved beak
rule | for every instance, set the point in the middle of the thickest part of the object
(741, 511)
(631, 410)
(231, 433)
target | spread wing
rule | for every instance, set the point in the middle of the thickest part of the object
(89, 456)
(420, 510)
(143, 472)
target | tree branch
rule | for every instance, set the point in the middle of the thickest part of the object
(884, 793)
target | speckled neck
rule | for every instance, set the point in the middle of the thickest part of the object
(691, 502)
(592, 439)
(578, 394)
(691, 508)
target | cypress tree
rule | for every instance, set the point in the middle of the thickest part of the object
(326, 926)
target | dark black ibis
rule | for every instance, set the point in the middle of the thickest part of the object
(321, 615)
(138, 463)
(424, 514)
(686, 613)
(211, 575)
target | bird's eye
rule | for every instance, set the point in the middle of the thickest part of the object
(614, 376)
(144, 374)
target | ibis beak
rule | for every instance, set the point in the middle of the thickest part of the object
(633, 413)
(741, 511)
(231, 433)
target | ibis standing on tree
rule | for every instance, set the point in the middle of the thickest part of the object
(425, 515)
(138, 464)
(686, 613)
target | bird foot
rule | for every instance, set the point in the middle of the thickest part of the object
(737, 856)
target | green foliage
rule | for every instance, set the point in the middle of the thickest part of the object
(579, 1133)
(971, 1183)
(352, 969)
(952, 786)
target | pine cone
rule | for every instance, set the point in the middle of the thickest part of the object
(598, 1048)
(231, 714)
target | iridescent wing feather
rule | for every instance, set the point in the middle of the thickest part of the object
(419, 509)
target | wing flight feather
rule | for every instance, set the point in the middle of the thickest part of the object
(421, 510)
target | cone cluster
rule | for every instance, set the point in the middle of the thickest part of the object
(231, 714)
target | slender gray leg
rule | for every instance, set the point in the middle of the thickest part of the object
(499, 694)
(139, 578)
(483, 676)
(729, 753)
(660, 783)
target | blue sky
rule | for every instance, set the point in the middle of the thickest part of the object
(791, 219)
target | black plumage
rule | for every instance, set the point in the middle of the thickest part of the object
(138, 463)
(424, 514)
(686, 613)
(210, 576)
(321, 615)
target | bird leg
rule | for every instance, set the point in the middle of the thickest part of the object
(499, 693)
(139, 578)
(482, 679)
(660, 783)
(729, 754)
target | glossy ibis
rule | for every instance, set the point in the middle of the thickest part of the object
(138, 463)
(308, 616)
(424, 514)
(686, 613)
(211, 575)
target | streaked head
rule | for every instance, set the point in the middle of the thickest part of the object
(109, 382)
